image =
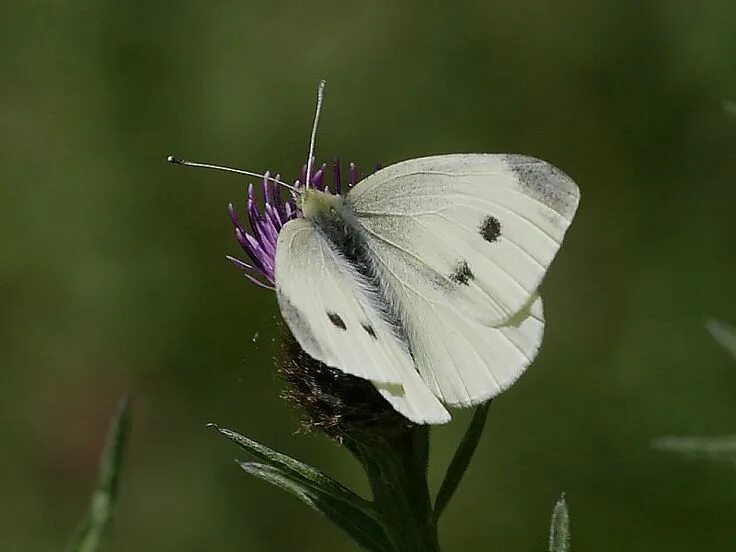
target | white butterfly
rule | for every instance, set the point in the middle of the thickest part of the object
(424, 278)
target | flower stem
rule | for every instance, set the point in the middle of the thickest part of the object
(396, 465)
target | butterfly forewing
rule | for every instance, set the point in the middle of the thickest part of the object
(480, 229)
(330, 309)
(463, 242)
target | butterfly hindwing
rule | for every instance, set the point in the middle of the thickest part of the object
(462, 360)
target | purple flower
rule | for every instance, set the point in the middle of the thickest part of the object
(266, 222)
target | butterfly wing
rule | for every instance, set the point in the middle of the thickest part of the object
(484, 226)
(330, 310)
(463, 242)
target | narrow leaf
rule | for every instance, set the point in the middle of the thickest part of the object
(723, 334)
(352, 513)
(461, 459)
(90, 532)
(559, 530)
(293, 467)
(363, 529)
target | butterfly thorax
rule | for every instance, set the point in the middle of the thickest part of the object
(335, 220)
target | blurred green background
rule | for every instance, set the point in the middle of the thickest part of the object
(113, 277)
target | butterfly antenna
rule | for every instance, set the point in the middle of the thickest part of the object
(313, 137)
(177, 161)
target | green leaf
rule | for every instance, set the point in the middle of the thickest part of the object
(353, 514)
(559, 530)
(363, 529)
(729, 106)
(461, 459)
(711, 448)
(89, 535)
(723, 334)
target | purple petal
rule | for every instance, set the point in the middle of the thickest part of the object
(253, 251)
(234, 216)
(273, 217)
(255, 219)
(269, 243)
(246, 268)
(265, 257)
(266, 187)
(240, 264)
(259, 283)
(318, 178)
(276, 194)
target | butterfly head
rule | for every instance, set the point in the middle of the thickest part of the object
(315, 203)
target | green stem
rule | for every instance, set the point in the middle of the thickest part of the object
(396, 465)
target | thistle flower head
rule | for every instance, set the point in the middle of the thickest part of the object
(265, 222)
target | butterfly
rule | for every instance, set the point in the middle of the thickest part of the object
(424, 277)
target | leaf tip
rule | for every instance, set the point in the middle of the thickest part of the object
(559, 531)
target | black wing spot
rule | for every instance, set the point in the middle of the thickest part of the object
(369, 329)
(462, 273)
(490, 229)
(336, 320)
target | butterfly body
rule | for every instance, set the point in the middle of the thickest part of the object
(424, 277)
(335, 221)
